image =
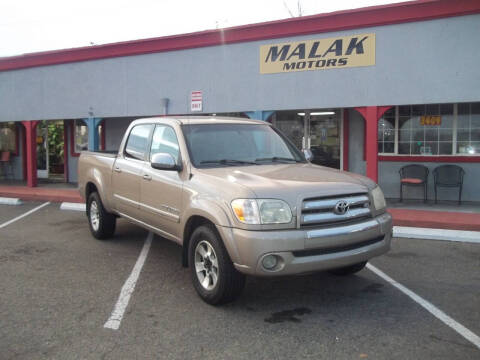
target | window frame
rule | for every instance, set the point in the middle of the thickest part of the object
(16, 135)
(149, 158)
(71, 129)
(146, 155)
(453, 157)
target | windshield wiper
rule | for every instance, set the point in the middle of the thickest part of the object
(277, 159)
(228, 162)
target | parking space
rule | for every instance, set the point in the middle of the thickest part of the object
(59, 287)
(9, 212)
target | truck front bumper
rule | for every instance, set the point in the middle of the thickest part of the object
(308, 250)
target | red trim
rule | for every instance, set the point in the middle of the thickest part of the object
(372, 114)
(65, 149)
(364, 140)
(322, 23)
(102, 138)
(17, 140)
(447, 159)
(346, 132)
(31, 151)
(24, 154)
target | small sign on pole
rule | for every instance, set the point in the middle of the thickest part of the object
(196, 101)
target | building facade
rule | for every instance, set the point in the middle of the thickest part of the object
(367, 90)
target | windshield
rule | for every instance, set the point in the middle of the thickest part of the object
(237, 144)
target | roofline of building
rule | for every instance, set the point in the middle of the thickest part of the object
(389, 14)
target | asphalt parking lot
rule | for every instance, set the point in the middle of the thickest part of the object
(59, 286)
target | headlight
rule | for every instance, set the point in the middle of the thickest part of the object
(378, 198)
(262, 211)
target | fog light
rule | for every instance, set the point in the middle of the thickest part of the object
(269, 262)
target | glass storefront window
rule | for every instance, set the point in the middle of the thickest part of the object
(80, 136)
(292, 125)
(468, 129)
(325, 137)
(386, 133)
(8, 137)
(432, 129)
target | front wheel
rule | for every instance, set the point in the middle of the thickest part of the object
(349, 270)
(214, 277)
(101, 223)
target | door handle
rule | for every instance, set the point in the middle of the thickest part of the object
(147, 177)
(117, 169)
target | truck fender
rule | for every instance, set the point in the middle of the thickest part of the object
(95, 177)
(214, 212)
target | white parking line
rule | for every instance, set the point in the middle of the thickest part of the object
(23, 215)
(117, 314)
(436, 234)
(439, 314)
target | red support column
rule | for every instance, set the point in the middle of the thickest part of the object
(346, 132)
(31, 151)
(24, 154)
(65, 149)
(372, 114)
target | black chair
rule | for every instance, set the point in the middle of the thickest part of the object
(414, 175)
(449, 176)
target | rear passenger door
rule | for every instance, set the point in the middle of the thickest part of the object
(127, 171)
(161, 190)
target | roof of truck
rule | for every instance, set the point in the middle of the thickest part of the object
(208, 119)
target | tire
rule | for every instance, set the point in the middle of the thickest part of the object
(101, 223)
(210, 264)
(349, 270)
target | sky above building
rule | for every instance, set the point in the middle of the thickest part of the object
(30, 25)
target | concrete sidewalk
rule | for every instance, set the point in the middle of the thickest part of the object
(41, 193)
(436, 219)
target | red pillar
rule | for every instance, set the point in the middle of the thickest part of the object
(65, 149)
(31, 151)
(372, 114)
(346, 132)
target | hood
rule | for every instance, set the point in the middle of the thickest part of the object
(292, 182)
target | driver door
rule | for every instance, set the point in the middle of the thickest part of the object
(161, 190)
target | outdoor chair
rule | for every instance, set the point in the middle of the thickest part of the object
(449, 176)
(414, 175)
(5, 164)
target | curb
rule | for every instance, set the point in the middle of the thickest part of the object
(10, 201)
(72, 206)
(436, 234)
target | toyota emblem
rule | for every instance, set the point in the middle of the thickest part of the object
(341, 207)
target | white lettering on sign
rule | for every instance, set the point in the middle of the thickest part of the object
(196, 101)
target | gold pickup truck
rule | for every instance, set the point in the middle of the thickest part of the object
(239, 198)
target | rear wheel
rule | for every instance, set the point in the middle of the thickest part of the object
(349, 270)
(214, 277)
(101, 223)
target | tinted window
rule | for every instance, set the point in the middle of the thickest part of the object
(137, 142)
(165, 141)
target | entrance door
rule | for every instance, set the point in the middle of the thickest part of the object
(323, 133)
(42, 150)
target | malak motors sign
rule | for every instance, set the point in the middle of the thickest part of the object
(332, 53)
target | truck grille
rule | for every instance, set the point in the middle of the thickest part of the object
(322, 211)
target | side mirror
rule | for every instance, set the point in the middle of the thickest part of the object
(308, 154)
(164, 161)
